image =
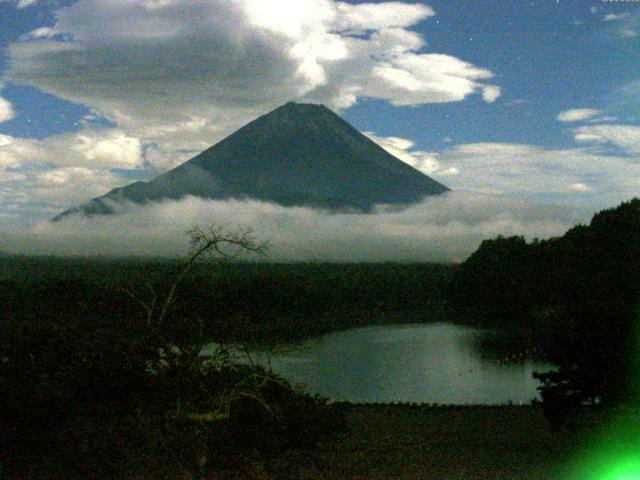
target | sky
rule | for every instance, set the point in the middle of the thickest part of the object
(534, 101)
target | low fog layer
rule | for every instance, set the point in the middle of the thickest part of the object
(443, 228)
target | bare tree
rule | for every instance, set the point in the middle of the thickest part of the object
(213, 241)
(216, 243)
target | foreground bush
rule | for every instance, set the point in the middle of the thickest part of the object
(82, 402)
(131, 396)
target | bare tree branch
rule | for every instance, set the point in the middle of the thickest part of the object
(210, 241)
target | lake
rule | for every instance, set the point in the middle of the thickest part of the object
(432, 363)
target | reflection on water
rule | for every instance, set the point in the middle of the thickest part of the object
(406, 363)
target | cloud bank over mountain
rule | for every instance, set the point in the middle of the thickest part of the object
(443, 228)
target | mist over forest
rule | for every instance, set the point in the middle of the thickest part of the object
(445, 228)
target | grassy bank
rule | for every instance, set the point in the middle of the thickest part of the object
(458, 443)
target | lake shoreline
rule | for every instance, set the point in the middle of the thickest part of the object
(436, 363)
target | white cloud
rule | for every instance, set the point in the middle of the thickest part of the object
(628, 32)
(427, 78)
(490, 93)
(116, 150)
(372, 16)
(41, 33)
(6, 110)
(580, 187)
(588, 137)
(578, 114)
(103, 148)
(606, 119)
(624, 25)
(40, 192)
(401, 148)
(541, 174)
(625, 137)
(41, 177)
(10, 154)
(26, 3)
(610, 17)
(528, 171)
(66, 170)
(442, 228)
(181, 75)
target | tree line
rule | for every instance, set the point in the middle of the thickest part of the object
(577, 295)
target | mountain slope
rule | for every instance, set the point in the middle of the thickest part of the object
(298, 154)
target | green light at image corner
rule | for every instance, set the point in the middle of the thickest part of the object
(627, 469)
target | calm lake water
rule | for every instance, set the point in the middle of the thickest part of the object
(405, 363)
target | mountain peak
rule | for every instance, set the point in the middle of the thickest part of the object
(303, 106)
(300, 109)
(297, 154)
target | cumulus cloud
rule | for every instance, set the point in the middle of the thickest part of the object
(611, 17)
(624, 25)
(35, 193)
(577, 114)
(490, 93)
(65, 170)
(539, 173)
(41, 177)
(101, 148)
(442, 228)
(625, 137)
(535, 172)
(426, 78)
(403, 149)
(181, 75)
(580, 187)
(41, 33)
(372, 16)
(26, 3)
(6, 110)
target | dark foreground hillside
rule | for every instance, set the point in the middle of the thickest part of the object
(101, 376)
(404, 442)
(401, 442)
